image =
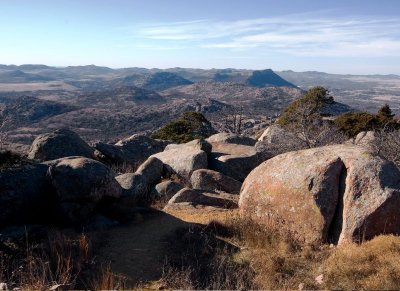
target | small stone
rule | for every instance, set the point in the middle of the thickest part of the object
(320, 279)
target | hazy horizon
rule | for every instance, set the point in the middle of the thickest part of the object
(342, 37)
(194, 68)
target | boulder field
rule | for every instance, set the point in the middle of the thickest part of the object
(336, 194)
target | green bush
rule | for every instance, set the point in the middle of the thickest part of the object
(306, 107)
(352, 123)
(190, 126)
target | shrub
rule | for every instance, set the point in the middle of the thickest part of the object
(352, 123)
(190, 126)
(306, 107)
(303, 119)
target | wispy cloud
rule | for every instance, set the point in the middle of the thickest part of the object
(292, 34)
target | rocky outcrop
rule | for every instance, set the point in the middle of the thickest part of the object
(184, 159)
(58, 144)
(336, 193)
(25, 195)
(80, 183)
(210, 180)
(224, 137)
(197, 144)
(131, 151)
(235, 161)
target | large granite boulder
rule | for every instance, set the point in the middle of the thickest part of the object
(183, 159)
(235, 161)
(210, 180)
(275, 134)
(80, 183)
(25, 195)
(136, 186)
(197, 144)
(151, 170)
(331, 194)
(224, 137)
(58, 144)
(131, 151)
(276, 140)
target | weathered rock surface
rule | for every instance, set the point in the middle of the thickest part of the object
(210, 180)
(134, 187)
(224, 137)
(275, 134)
(197, 144)
(166, 189)
(198, 197)
(183, 159)
(132, 151)
(151, 170)
(25, 195)
(58, 144)
(79, 184)
(336, 193)
(365, 139)
(235, 161)
(137, 186)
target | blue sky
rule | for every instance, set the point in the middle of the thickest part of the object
(353, 36)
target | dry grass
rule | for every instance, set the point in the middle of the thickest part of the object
(373, 265)
(282, 262)
(39, 265)
(240, 254)
(59, 261)
(236, 254)
(106, 279)
(200, 260)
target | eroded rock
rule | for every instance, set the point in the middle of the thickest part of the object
(336, 193)
(210, 180)
(58, 144)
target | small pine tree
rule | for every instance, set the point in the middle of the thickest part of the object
(385, 113)
(190, 126)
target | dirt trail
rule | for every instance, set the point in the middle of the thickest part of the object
(139, 251)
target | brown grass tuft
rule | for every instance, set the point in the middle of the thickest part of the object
(106, 279)
(372, 265)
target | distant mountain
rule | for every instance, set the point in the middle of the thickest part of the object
(267, 78)
(165, 80)
(18, 76)
(87, 70)
(230, 75)
(27, 67)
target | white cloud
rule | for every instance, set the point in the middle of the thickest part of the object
(292, 34)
